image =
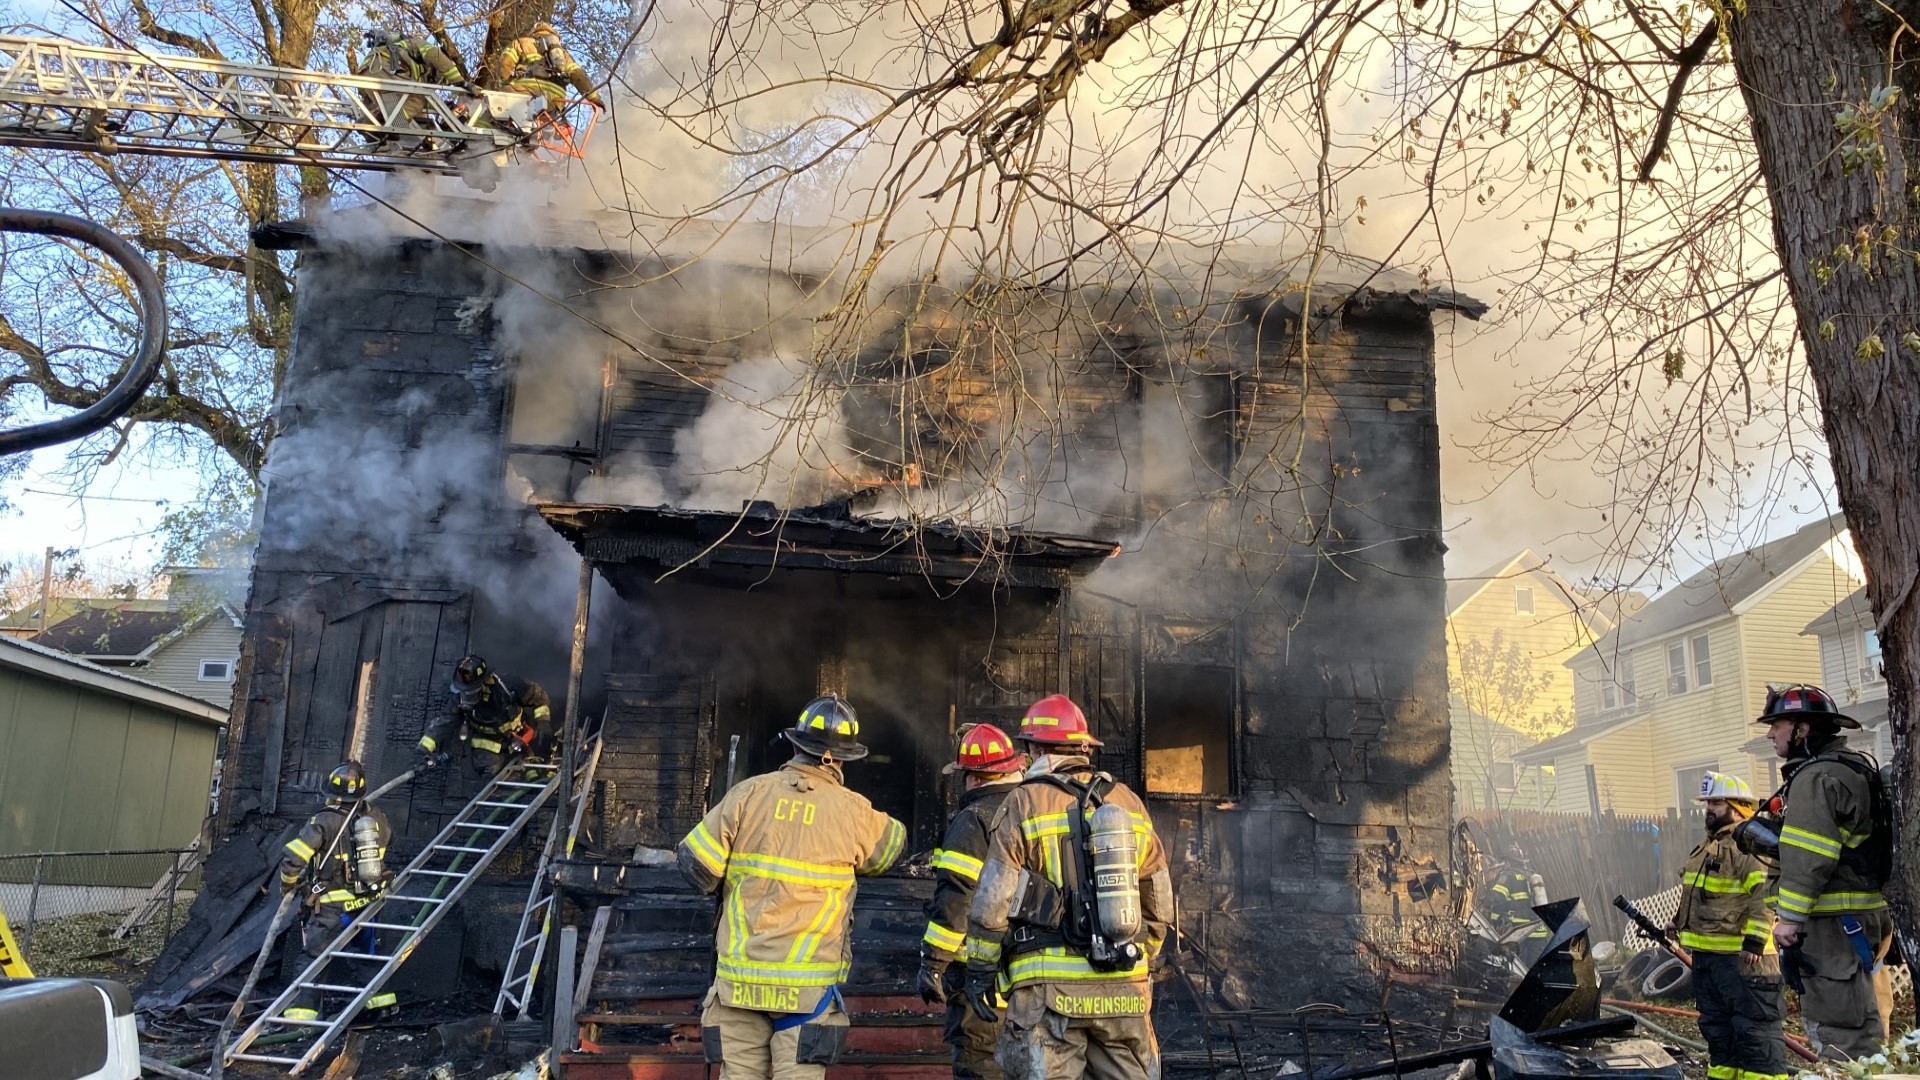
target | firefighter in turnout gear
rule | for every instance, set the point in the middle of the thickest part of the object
(1723, 920)
(495, 723)
(1834, 860)
(786, 846)
(339, 859)
(1074, 901)
(992, 766)
(391, 55)
(1506, 902)
(537, 64)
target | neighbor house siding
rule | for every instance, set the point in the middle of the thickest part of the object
(1703, 725)
(1777, 652)
(177, 664)
(1841, 658)
(1569, 784)
(1549, 636)
(82, 770)
(1625, 772)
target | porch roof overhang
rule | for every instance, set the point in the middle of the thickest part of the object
(661, 539)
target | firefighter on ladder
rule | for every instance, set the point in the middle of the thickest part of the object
(339, 857)
(1073, 903)
(536, 65)
(1835, 857)
(992, 766)
(392, 55)
(787, 847)
(495, 724)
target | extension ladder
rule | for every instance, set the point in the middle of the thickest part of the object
(68, 95)
(536, 919)
(412, 905)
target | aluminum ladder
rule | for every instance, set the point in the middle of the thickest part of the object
(536, 919)
(68, 95)
(412, 905)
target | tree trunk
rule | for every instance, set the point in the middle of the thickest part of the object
(1786, 52)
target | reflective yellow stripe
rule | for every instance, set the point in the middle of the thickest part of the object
(1720, 1072)
(541, 712)
(965, 866)
(300, 849)
(1810, 841)
(1709, 883)
(427, 744)
(298, 1013)
(382, 1001)
(778, 973)
(1711, 942)
(487, 745)
(809, 943)
(1795, 903)
(891, 844)
(707, 849)
(982, 949)
(794, 871)
(1044, 825)
(1059, 963)
(1840, 903)
(944, 939)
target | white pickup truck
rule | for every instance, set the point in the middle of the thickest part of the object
(67, 1029)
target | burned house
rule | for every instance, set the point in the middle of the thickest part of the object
(1214, 520)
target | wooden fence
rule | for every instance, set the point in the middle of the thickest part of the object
(1595, 859)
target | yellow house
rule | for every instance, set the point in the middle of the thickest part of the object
(1671, 693)
(1510, 630)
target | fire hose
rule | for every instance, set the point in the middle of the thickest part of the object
(140, 369)
(1794, 1043)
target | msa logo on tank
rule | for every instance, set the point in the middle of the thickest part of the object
(798, 810)
(764, 998)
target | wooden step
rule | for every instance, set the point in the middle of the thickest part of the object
(656, 1066)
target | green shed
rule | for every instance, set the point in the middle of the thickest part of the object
(94, 760)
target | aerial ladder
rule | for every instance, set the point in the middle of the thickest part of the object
(413, 903)
(66, 95)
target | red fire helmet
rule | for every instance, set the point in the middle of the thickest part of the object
(1055, 720)
(986, 749)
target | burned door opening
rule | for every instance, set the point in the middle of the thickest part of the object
(1189, 729)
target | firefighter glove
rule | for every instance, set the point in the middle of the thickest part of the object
(430, 762)
(983, 989)
(594, 99)
(472, 88)
(932, 971)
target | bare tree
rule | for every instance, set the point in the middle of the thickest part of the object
(1499, 691)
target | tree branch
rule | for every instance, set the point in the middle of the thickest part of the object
(151, 27)
(1689, 58)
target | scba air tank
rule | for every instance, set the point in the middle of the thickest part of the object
(369, 862)
(1116, 871)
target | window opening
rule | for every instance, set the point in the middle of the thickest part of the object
(1686, 783)
(1676, 669)
(1870, 668)
(1702, 661)
(1189, 729)
(1523, 601)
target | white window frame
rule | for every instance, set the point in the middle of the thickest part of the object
(1629, 688)
(1686, 795)
(1609, 695)
(1693, 654)
(1871, 656)
(1523, 592)
(1678, 680)
(226, 676)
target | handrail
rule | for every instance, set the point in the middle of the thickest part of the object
(133, 382)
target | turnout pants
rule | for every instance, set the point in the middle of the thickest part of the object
(746, 1046)
(324, 923)
(1740, 1011)
(1845, 1008)
(973, 1040)
(1037, 1043)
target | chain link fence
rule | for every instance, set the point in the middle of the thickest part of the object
(61, 901)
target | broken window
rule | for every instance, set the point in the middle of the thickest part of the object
(1189, 729)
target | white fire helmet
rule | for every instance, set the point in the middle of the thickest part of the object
(1721, 786)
